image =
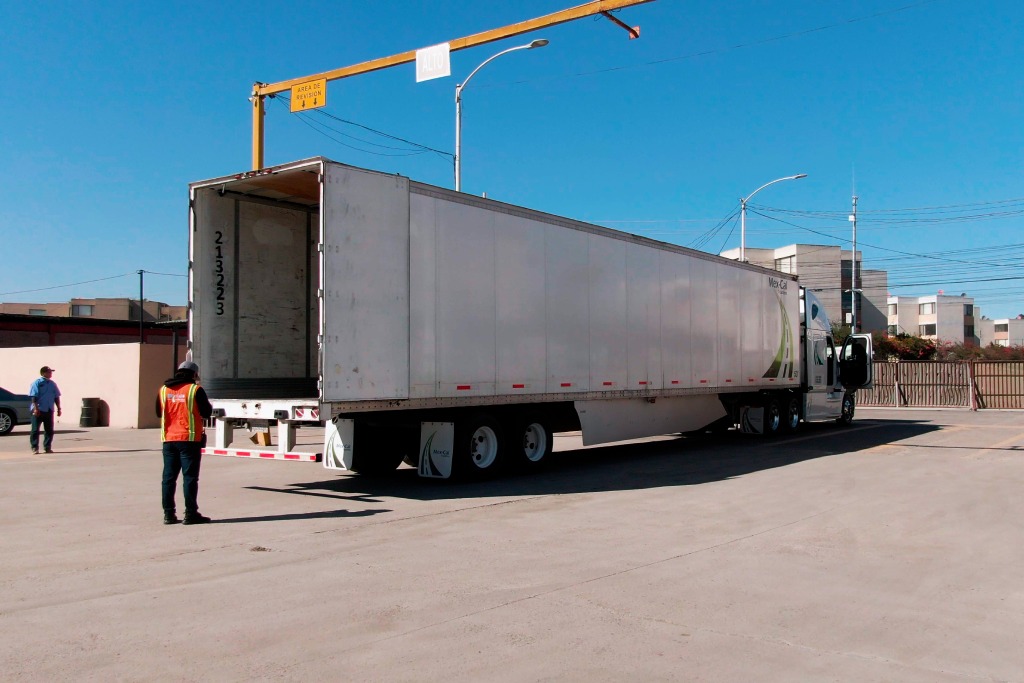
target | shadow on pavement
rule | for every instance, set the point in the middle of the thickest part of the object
(683, 461)
(327, 514)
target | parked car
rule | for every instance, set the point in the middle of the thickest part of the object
(14, 410)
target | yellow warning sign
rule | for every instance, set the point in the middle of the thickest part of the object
(309, 95)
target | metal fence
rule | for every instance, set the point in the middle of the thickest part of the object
(957, 384)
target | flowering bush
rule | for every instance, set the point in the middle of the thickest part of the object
(903, 347)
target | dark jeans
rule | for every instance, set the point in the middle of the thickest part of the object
(184, 457)
(44, 420)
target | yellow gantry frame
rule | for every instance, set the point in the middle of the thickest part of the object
(262, 90)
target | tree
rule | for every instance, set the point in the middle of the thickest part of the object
(840, 332)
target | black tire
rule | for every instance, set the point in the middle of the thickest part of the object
(7, 421)
(773, 418)
(377, 449)
(791, 415)
(849, 407)
(530, 442)
(480, 447)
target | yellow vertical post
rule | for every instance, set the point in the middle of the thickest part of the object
(257, 128)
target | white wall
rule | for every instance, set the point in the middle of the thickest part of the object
(125, 377)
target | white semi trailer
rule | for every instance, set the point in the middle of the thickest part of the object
(459, 333)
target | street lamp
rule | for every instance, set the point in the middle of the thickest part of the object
(458, 106)
(743, 211)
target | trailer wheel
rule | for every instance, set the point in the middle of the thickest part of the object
(791, 422)
(530, 443)
(479, 447)
(772, 417)
(849, 405)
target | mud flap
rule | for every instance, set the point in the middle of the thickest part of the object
(752, 419)
(437, 441)
(338, 437)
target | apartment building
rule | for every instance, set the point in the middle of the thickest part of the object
(941, 317)
(827, 270)
(106, 309)
(1002, 332)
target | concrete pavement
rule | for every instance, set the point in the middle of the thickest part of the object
(888, 551)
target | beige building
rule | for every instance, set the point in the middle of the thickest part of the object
(1003, 332)
(122, 380)
(107, 309)
(826, 270)
(938, 316)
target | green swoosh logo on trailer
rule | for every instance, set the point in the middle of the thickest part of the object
(782, 365)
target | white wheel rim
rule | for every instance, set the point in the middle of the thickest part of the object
(774, 419)
(484, 447)
(535, 442)
(5, 422)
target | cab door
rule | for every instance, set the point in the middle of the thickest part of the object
(823, 400)
(856, 366)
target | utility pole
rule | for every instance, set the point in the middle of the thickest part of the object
(142, 338)
(853, 271)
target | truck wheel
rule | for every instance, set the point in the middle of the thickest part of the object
(791, 417)
(849, 405)
(530, 443)
(772, 417)
(7, 421)
(479, 448)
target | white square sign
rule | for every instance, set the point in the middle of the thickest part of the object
(433, 62)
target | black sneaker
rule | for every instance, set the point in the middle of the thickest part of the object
(49, 450)
(170, 518)
(196, 518)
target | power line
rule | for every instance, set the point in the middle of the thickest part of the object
(73, 284)
(305, 118)
(150, 272)
(873, 246)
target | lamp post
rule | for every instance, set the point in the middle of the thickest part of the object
(743, 211)
(458, 105)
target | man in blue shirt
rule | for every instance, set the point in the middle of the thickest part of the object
(45, 397)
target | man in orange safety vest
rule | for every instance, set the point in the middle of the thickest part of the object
(182, 406)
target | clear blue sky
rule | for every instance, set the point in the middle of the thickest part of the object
(114, 107)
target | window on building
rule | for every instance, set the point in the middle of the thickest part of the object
(926, 330)
(786, 264)
(969, 310)
(968, 331)
(82, 310)
(926, 309)
(893, 330)
(893, 309)
(37, 311)
(1002, 327)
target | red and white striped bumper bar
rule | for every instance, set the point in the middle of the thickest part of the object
(265, 455)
